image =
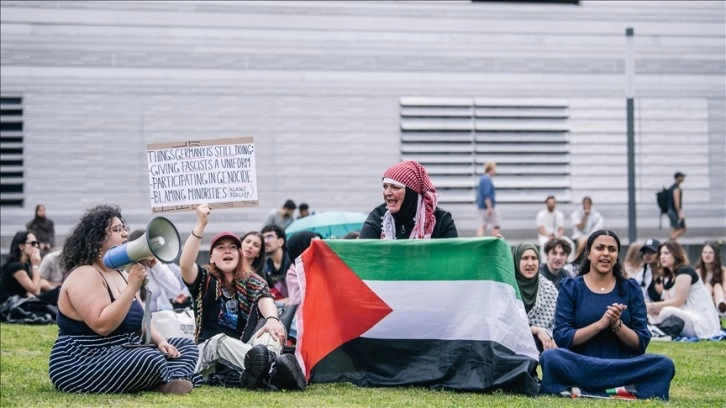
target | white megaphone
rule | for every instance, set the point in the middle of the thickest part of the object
(161, 241)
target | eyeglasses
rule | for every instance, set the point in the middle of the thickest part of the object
(33, 243)
(119, 228)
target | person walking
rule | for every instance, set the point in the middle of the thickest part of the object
(486, 201)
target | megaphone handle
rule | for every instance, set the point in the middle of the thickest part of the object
(146, 321)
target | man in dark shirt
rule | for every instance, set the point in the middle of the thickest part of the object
(277, 262)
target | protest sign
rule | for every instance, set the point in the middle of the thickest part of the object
(220, 172)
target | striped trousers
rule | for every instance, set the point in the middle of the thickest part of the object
(98, 364)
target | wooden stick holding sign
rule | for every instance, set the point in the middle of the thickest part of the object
(220, 172)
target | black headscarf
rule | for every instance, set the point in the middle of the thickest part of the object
(527, 286)
(407, 213)
(299, 242)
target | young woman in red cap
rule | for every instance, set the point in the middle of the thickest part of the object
(409, 208)
(224, 293)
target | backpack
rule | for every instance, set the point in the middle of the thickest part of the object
(662, 200)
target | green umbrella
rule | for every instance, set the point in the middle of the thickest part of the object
(331, 224)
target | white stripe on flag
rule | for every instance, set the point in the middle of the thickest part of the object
(454, 310)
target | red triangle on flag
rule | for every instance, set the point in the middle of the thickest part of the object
(338, 306)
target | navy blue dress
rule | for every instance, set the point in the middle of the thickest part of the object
(604, 361)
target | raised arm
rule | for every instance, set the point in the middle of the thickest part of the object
(579, 222)
(32, 283)
(560, 217)
(188, 258)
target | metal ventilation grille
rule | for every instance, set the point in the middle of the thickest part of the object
(11, 151)
(528, 138)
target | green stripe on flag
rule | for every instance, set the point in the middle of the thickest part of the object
(431, 259)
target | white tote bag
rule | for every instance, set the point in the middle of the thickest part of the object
(174, 323)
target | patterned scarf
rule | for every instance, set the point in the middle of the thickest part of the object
(243, 304)
(414, 176)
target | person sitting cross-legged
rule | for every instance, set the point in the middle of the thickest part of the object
(99, 349)
(556, 266)
(685, 295)
(601, 332)
(538, 294)
(225, 292)
(277, 261)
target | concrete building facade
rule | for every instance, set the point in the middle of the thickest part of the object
(336, 92)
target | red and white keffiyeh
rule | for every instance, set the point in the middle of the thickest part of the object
(414, 176)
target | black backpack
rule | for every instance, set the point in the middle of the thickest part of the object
(662, 200)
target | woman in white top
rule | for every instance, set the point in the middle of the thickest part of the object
(685, 294)
(709, 268)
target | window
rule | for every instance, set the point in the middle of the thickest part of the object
(11, 151)
(528, 138)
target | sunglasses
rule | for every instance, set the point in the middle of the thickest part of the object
(33, 243)
(119, 228)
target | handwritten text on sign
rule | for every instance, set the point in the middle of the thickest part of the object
(187, 173)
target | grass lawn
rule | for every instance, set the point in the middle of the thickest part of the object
(700, 382)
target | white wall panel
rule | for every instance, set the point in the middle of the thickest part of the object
(318, 84)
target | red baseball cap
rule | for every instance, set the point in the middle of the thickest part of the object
(225, 234)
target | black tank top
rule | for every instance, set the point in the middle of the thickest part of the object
(131, 322)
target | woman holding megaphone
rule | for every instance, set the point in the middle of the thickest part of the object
(226, 293)
(100, 316)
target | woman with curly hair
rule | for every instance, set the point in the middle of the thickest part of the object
(99, 319)
(226, 293)
(601, 331)
(709, 268)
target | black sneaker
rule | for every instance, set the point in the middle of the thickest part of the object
(257, 365)
(286, 374)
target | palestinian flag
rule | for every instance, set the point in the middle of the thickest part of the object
(445, 313)
(625, 392)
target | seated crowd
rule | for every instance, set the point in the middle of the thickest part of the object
(585, 315)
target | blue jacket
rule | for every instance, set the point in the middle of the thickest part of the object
(486, 190)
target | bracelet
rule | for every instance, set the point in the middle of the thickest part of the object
(196, 235)
(618, 327)
(272, 317)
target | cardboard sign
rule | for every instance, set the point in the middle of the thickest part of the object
(220, 172)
